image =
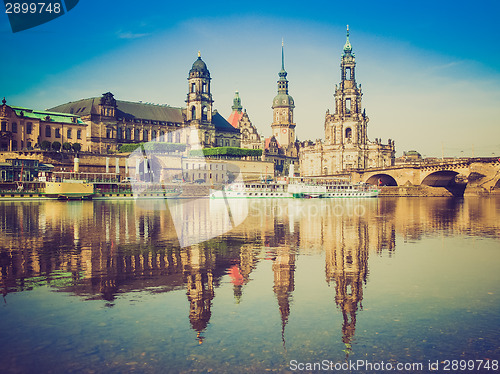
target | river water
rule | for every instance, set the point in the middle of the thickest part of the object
(124, 286)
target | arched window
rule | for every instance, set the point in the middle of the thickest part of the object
(348, 134)
(145, 135)
(204, 88)
(348, 73)
(48, 132)
(177, 137)
(204, 113)
(68, 133)
(128, 133)
(136, 135)
(193, 87)
(348, 105)
(193, 112)
(118, 133)
(79, 134)
(153, 135)
(169, 137)
(14, 127)
(162, 136)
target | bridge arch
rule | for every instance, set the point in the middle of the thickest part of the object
(382, 180)
(441, 178)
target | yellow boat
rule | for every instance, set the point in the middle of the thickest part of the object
(69, 190)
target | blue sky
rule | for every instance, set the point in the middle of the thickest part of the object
(430, 70)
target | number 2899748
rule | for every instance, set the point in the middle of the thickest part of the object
(38, 8)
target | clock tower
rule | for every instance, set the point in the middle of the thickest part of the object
(283, 127)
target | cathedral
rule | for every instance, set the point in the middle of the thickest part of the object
(346, 145)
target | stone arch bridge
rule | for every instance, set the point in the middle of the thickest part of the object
(481, 174)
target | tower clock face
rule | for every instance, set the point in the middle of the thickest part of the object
(283, 131)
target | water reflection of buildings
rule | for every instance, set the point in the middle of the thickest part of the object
(284, 282)
(100, 249)
(199, 279)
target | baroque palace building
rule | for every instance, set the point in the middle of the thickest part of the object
(112, 122)
(25, 129)
(346, 144)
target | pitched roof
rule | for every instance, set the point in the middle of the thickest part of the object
(267, 142)
(43, 114)
(221, 124)
(124, 109)
(234, 118)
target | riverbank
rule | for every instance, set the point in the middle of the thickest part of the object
(428, 191)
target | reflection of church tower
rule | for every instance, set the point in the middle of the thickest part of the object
(348, 267)
(199, 102)
(240, 273)
(284, 271)
(283, 127)
(200, 287)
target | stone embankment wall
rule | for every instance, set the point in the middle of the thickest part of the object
(415, 191)
(195, 190)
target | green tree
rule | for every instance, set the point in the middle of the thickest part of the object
(77, 147)
(45, 145)
(56, 146)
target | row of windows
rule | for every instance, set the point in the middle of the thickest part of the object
(204, 177)
(204, 113)
(204, 88)
(4, 127)
(127, 134)
(57, 133)
(204, 167)
(48, 130)
(225, 143)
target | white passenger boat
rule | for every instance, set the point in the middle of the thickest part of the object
(296, 188)
(332, 189)
(252, 190)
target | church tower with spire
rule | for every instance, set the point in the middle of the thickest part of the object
(283, 128)
(346, 145)
(347, 126)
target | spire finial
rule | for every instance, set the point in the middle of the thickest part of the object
(4, 101)
(282, 54)
(199, 54)
(347, 46)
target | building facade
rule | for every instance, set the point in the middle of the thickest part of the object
(249, 136)
(346, 145)
(26, 129)
(112, 122)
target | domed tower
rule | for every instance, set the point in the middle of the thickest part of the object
(283, 127)
(199, 102)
